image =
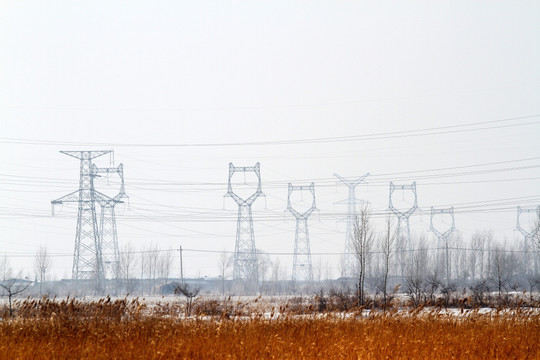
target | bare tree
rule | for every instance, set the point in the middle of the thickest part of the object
(42, 263)
(225, 262)
(387, 247)
(263, 264)
(432, 285)
(488, 244)
(5, 268)
(149, 260)
(164, 265)
(479, 291)
(532, 282)
(190, 294)
(474, 257)
(447, 291)
(317, 270)
(364, 236)
(142, 263)
(128, 262)
(12, 286)
(459, 259)
(501, 270)
(343, 268)
(276, 276)
(417, 273)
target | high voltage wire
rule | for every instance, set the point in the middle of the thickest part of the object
(209, 251)
(374, 136)
(217, 215)
(19, 180)
(331, 180)
(459, 167)
(205, 215)
(214, 210)
(231, 218)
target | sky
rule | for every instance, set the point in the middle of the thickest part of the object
(442, 93)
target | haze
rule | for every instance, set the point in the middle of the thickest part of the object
(179, 89)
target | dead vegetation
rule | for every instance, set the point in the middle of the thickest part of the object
(298, 329)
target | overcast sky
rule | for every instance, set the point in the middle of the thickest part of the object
(180, 89)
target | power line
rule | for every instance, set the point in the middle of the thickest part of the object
(450, 129)
(33, 181)
(231, 252)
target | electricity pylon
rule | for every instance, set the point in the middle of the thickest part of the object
(443, 236)
(403, 216)
(107, 224)
(245, 253)
(528, 235)
(87, 257)
(302, 267)
(349, 259)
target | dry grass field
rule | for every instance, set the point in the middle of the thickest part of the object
(128, 329)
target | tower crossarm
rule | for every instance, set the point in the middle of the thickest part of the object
(246, 168)
(71, 197)
(398, 213)
(86, 154)
(105, 200)
(76, 197)
(305, 214)
(352, 183)
(438, 233)
(258, 192)
(521, 229)
(85, 188)
(112, 170)
(403, 214)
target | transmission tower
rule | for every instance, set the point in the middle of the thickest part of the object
(349, 259)
(443, 236)
(528, 235)
(302, 268)
(245, 253)
(403, 216)
(107, 224)
(87, 257)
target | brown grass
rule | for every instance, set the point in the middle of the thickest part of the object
(125, 329)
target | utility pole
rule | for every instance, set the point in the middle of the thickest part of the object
(302, 267)
(87, 257)
(245, 253)
(403, 216)
(349, 259)
(443, 236)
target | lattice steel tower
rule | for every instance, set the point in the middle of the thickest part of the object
(403, 216)
(87, 257)
(302, 267)
(528, 238)
(245, 253)
(349, 259)
(107, 223)
(442, 237)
